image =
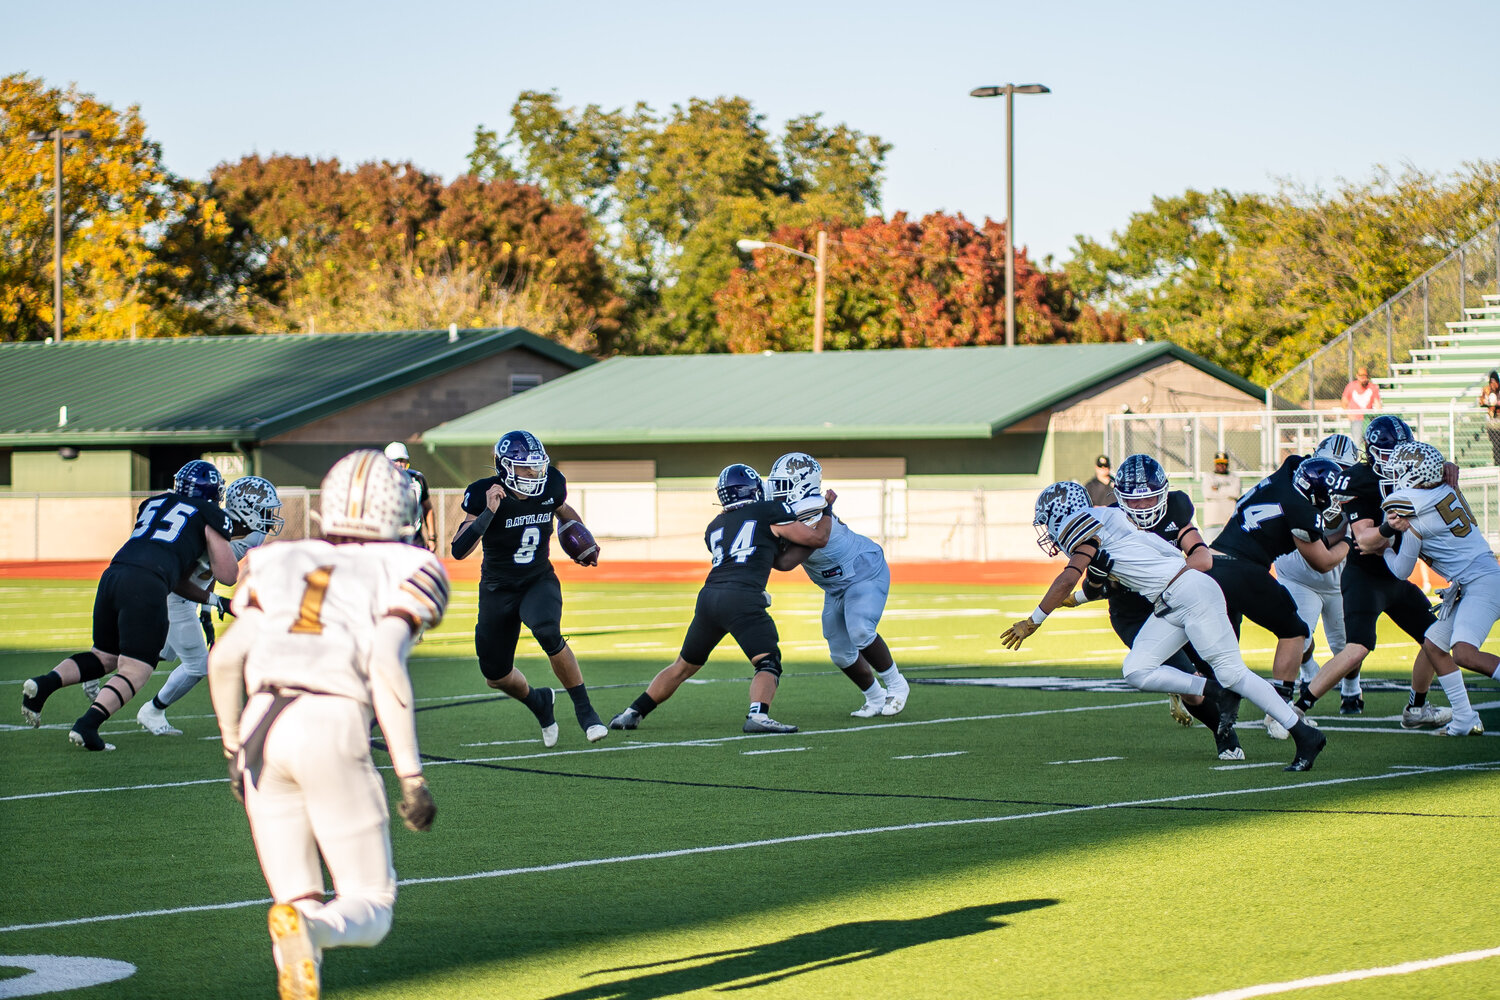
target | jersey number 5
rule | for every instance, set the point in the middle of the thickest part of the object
(176, 519)
(1457, 515)
(309, 611)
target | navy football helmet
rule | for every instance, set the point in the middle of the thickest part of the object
(521, 462)
(739, 485)
(1320, 481)
(1141, 486)
(1381, 437)
(1339, 447)
(201, 480)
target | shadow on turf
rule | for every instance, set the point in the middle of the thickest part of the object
(760, 965)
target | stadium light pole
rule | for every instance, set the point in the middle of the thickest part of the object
(820, 269)
(1010, 90)
(57, 136)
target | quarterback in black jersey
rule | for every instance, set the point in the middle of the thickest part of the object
(172, 532)
(1271, 520)
(742, 541)
(511, 514)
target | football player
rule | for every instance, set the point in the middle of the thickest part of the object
(1371, 590)
(320, 645)
(1144, 493)
(1271, 520)
(1433, 521)
(172, 532)
(511, 513)
(251, 503)
(1187, 607)
(1317, 595)
(425, 534)
(743, 542)
(855, 579)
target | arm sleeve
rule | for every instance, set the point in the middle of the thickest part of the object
(1402, 557)
(391, 694)
(226, 677)
(796, 510)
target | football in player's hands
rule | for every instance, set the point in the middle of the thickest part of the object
(578, 542)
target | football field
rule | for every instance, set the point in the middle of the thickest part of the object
(1027, 827)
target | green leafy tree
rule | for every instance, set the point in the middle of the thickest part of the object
(119, 202)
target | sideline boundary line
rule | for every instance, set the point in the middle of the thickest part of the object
(1354, 975)
(767, 842)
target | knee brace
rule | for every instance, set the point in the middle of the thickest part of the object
(89, 667)
(769, 664)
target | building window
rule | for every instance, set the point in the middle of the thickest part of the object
(520, 383)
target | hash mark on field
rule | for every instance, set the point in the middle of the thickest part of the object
(1245, 767)
(924, 756)
(1085, 760)
(778, 841)
(752, 753)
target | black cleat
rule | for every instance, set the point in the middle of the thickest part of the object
(31, 704)
(1310, 742)
(1228, 745)
(88, 739)
(1352, 704)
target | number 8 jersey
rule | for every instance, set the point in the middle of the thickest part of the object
(320, 604)
(518, 541)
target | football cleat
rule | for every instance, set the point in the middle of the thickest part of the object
(1232, 753)
(88, 739)
(154, 721)
(869, 709)
(1275, 730)
(91, 688)
(763, 723)
(895, 697)
(1310, 743)
(595, 732)
(1429, 716)
(1475, 728)
(1227, 742)
(1352, 704)
(549, 726)
(31, 705)
(628, 719)
(1179, 712)
(297, 959)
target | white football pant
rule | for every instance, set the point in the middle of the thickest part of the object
(187, 643)
(851, 612)
(1472, 619)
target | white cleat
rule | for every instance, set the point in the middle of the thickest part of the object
(869, 709)
(595, 733)
(1180, 714)
(32, 713)
(1232, 753)
(895, 697)
(1275, 730)
(154, 721)
(91, 688)
(297, 960)
(1429, 716)
(1474, 728)
(549, 736)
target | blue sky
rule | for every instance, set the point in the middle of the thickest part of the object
(1148, 98)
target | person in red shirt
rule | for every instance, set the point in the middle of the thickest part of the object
(1361, 394)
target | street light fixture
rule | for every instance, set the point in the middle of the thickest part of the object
(820, 269)
(57, 136)
(1010, 90)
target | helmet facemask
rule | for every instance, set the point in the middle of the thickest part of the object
(1141, 486)
(794, 476)
(253, 502)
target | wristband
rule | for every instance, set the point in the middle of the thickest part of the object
(1038, 616)
(1196, 546)
(1386, 530)
(1079, 597)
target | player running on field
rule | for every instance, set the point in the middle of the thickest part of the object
(1144, 493)
(855, 579)
(251, 504)
(1433, 521)
(743, 541)
(1317, 594)
(512, 514)
(1187, 607)
(1369, 587)
(320, 646)
(422, 531)
(172, 532)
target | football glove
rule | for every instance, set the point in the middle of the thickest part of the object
(216, 601)
(417, 808)
(236, 778)
(207, 621)
(1098, 571)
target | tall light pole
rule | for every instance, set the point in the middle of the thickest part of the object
(820, 266)
(1010, 90)
(57, 136)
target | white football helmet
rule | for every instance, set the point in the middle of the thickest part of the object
(396, 452)
(793, 476)
(1057, 505)
(1338, 447)
(366, 497)
(1415, 465)
(253, 502)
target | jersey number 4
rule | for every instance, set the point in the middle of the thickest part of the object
(1255, 513)
(739, 549)
(171, 523)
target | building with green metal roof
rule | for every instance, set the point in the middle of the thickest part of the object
(106, 416)
(986, 416)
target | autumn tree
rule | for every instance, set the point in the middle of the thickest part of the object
(935, 282)
(119, 201)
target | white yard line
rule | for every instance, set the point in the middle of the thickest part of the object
(924, 756)
(773, 842)
(1085, 760)
(1355, 975)
(753, 753)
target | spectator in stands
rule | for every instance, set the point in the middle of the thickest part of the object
(1361, 395)
(1489, 398)
(1102, 487)
(1221, 488)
